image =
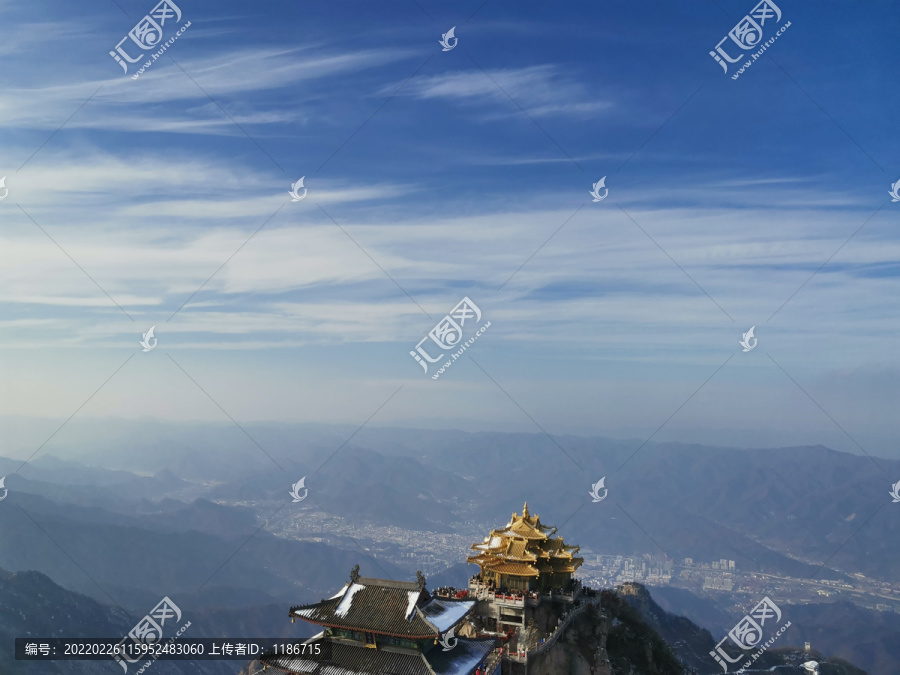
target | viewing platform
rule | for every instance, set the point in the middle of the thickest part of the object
(478, 590)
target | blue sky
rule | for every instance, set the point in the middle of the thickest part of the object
(435, 175)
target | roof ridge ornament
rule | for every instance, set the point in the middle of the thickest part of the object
(354, 574)
(420, 580)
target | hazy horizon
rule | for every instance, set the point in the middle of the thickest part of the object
(24, 434)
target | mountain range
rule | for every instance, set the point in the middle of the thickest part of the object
(126, 522)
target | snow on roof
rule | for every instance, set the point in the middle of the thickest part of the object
(495, 542)
(463, 659)
(413, 599)
(344, 606)
(445, 614)
(340, 592)
(308, 666)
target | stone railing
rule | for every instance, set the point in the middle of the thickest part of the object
(570, 617)
(479, 591)
(511, 600)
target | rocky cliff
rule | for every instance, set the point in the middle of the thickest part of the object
(629, 634)
(611, 639)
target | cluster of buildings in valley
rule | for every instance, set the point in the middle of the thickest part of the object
(608, 571)
(657, 570)
(724, 576)
(425, 551)
(431, 552)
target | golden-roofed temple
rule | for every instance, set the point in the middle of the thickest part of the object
(525, 556)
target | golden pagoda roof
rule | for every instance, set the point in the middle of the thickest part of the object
(514, 569)
(516, 548)
(526, 526)
(525, 547)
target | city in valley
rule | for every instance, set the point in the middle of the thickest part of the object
(722, 580)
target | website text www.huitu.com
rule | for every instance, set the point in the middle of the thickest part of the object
(464, 347)
(165, 46)
(764, 47)
(769, 642)
(149, 663)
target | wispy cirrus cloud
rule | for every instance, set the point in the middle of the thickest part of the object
(543, 90)
(301, 268)
(145, 185)
(168, 100)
